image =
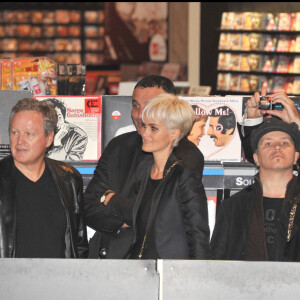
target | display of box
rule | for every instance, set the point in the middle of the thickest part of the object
(79, 128)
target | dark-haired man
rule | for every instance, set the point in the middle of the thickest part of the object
(114, 175)
(261, 222)
(222, 124)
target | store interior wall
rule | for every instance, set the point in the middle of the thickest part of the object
(211, 13)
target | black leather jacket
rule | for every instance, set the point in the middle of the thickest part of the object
(68, 182)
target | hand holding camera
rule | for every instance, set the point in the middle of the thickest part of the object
(265, 103)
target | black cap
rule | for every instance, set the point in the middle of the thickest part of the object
(275, 124)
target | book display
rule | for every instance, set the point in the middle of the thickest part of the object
(259, 49)
(64, 35)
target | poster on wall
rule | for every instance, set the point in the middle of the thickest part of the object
(78, 138)
(136, 31)
(214, 131)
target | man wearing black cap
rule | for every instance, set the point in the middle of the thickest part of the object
(261, 222)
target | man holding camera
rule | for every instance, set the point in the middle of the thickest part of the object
(254, 116)
(261, 222)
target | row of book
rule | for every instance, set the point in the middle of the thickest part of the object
(260, 21)
(36, 31)
(259, 42)
(253, 83)
(259, 63)
(60, 16)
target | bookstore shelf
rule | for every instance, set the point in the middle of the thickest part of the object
(259, 50)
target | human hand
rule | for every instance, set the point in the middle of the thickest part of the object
(108, 197)
(289, 113)
(253, 111)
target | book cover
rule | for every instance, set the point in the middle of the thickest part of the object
(247, 20)
(267, 63)
(245, 45)
(234, 82)
(245, 83)
(235, 41)
(234, 64)
(238, 21)
(224, 41)
(278, 84)
(79, 128)
(223, 81)
(244, 63)
(269, 43)
(255, 41)
(271, 21)
(284, 21)
(223, 61)
(283, 64)
(296, 85)
(254, 62)
(253, 83)
(296, 22)
(289, 85)
(283, 43)
(265, 82)
(296, 67)
(297, 45)
(292, 45)
(257, 21)
(220, 140)
(227, 20)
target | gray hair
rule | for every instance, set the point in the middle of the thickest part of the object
(175, 113)
(47, 110)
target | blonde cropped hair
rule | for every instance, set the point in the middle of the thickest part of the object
(174, 112)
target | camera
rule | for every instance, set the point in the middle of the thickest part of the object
(265, 103)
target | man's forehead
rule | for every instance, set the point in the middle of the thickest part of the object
(143, 95)
(276, 135)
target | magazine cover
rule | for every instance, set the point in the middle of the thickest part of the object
(295, 22)
(235, 41)
(224, 41)
(254, 62)
(283, 43)
(292, 45)
(297, 85)
(279, 83)
(247, 20)
(214, 131)
(245, 83)
(267, 63)
(283, 64)
(289, 85)
(297, 46)
(223, 61)
(296, 67)
(79, 128)
(253, 83)
(238, 21)
(269, 43)
(255, 41)
(284, 21)
(245, 64)
(223, 81)
(7, 100)
(234, 83)
(257, 21)
(266, 83)
(227, 20)
(234, 64)
(245, 46)
(270, 21)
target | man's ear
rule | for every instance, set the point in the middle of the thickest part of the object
(50, 138)
(255, 159)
